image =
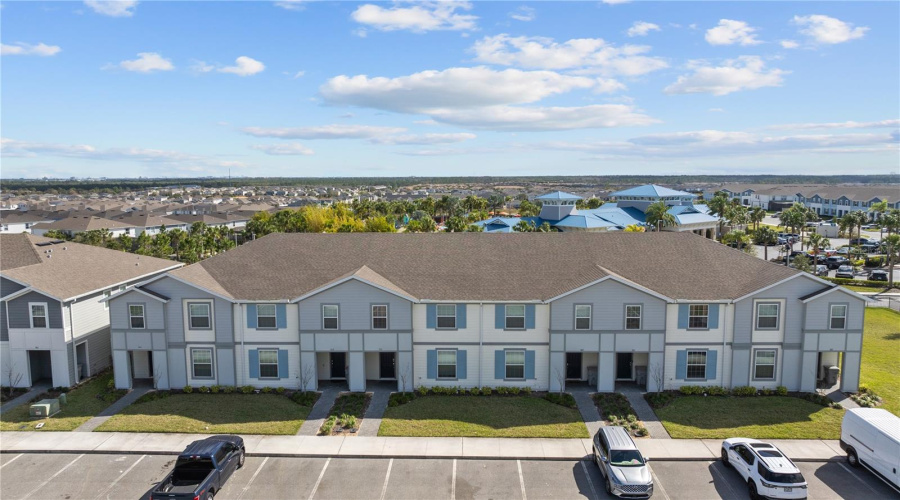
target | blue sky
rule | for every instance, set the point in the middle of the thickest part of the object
(299, 88)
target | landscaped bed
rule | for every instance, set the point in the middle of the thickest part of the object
(232, 413)
(616, 410)
(880, 361)
(83, 402)
(483, 416)
(8, 394)
(346, 414)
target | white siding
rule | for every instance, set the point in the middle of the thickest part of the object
(292, 381)
(290, 334)
(723, 362)
(674, 334)
(467, 334)
(420, 367)
(88, 315)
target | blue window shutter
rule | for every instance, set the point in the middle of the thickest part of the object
(251, 316)
(460, 316)
(281, 315)
(681, 365)
(431, 316)
(461, 372)
(283, 363)
(529, 365)
(500, 364)
(254, 363)
(711, 364)
(432, 364)
(529, 317)
(500, 317)
(683, 313)
(713, 322)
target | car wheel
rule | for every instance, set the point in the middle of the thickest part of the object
(209, 496)
(752, 487)
(241, 459)
(852, 459)
(725, 458)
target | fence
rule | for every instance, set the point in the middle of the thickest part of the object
(889, 301)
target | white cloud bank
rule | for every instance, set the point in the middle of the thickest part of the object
(837, 125)
(418, 17)
(828, 30)
(113, 8)
(147, 62)
(730, 32)
(27, 49)
(374, 134)
(743, 73)
(289, 149)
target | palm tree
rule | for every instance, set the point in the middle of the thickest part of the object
(816, 242)
(738, 237)
(717, 206)
(657, 215)
(861, 219)
(495, 201)
(737, 216)
(757, 214)
(892, 248)
(890, 221)
(879, 208)
(765, 236)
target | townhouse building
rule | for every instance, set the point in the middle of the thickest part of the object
(828, 201)
(54, 324)
(461, 309)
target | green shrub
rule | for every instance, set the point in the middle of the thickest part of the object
(641, 431)
(266, 390)
(422, 390)
(817, 398)
(766, 392)
(348, 421)
(152, 396)
(328, 426)
(228, 389)
(692, 390)
(205, 389)
(304, 398)
(214, 389)
(111, 385)
(400, 398)
(660, 399)
(486, 391)
(564, 399)
(247, 389)
(502, 390)
(848, 281)
(781, 390)
(717, 390)
(876, 261)
(514, 391)
(744, 391)
(866, 398)
(188, 389)
(527, 390)
(280, 390)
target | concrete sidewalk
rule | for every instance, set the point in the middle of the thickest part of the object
(382, 447)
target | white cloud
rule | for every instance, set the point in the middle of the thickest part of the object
(523, 13)
(789, 44)
(590, 54)
(299, 74)
(716, 110)
(825, 29)
(608, 86)
(113, 8)
(292, 4)
(289, 149)
(743, 73)
(837, 125)
(516, 118)
(642, 28)
(423, 139)
(614, 2)
(27, 49)
(323, 132)
(730, 32)
(244, 66)
(419, 17)
(147, 62)
(201, 67)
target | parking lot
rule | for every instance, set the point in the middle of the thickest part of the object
(71, 477)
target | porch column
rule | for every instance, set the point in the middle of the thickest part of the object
(356, 378)
(122, 369)
(404, 369)
(309, 375)
(557, 371)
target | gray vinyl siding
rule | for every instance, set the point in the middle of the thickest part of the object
(225, 366)
(70, 361)
(608, 300)
(792, 313)
(818, 312)
(4, 332)
(355, 300)
(18, 311)
(6, 287)
(89, 315)
(99, 349)
(177, 291)
(177, 368)
(154, 317)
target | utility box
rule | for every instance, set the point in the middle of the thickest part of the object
(44, 408)
(832, 375)
(62, 399)
(592, 375)
(640, 375)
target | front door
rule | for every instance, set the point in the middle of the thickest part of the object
(339, 365)
(387, 363)
(573, 366)
(623, 365)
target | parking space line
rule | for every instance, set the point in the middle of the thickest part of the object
(51, 478)
(319, 480)
(387, 477)
(111, 486)
(848, 469)
(247, 487)
(722, 476)
(521, 479)
(453, 482)
(11, 460)
(656, 481)
(587, 475)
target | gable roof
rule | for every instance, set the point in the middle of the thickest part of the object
(650, 190)
(364, 275)
(82, 223)
(558, 195)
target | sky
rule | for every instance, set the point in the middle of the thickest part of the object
(302, 88)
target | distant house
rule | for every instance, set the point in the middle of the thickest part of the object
(81, 223)
(19, 222)
(826, 200)
(54, 324)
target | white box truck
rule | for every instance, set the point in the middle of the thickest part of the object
(871, 438)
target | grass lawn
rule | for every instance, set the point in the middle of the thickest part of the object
(83, 403)
(212, 414)
(881, 356)
(769, 417)
(482, 416)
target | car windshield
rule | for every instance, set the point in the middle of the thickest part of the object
(625, 458)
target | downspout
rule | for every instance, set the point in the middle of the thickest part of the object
(243, 354)
(74, 353)
(725, 339)
(480, 340)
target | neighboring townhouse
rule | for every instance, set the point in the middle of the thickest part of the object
(18, 222)
(75, 224)
(461, 309)
(826, 200)
(54, 324)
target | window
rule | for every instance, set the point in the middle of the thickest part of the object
(199, 316)
(633, 317)
(330, 317)
(379, 317)
(268, 363)
(201, 363)
(446, 361)
(515, 364)
(38, 315)
(764, 365)
(766, 316)
(265, 316)
(136, 316)
(446, 318)
(698, 316)
(838, 317)
(696, 365)
(582, 317)
(515, 317)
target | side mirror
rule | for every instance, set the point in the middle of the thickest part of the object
(604, 459)
(646, 460)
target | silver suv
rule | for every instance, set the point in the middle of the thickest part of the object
(623, 467)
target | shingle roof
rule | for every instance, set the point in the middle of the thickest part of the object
(471, 266)
(82, 223)
(66, 270)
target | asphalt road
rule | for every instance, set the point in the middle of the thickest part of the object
(73, 477)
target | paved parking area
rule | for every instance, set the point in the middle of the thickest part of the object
(73, 477)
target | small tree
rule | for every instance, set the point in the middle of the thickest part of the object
(657, 375)
(801, 263)
(404, 376)
(305, 376)
(13, 377)
(561, 378)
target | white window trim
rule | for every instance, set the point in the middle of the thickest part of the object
(774, 364)
(273, 316)
(438, 316)
(31, 315)
(688, 364)
(209, 314)
(372, 309)
(212, 362)
(698, 316)
(506, 316)
(260, 364)
(455, 364)
(506, 364)
(640, 316)
(131, 316)
(590, 315)
(831, 316)
(336, 317)
(777, 316)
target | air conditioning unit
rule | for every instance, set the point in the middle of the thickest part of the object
(44, 408)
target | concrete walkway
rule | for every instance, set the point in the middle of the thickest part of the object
(381, 393)
(25, 397)
(587, 408)
(844, 400)
(380, 447)
(112, 409)
(644, 413)
(320, 410)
